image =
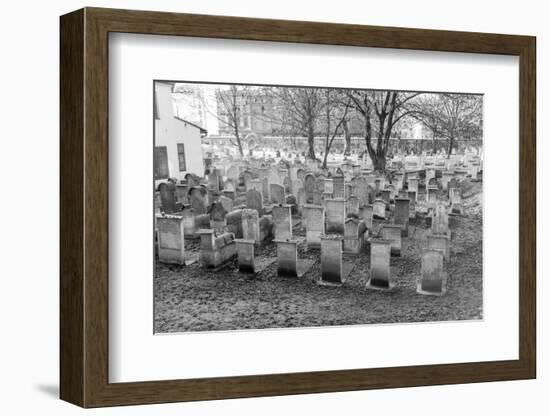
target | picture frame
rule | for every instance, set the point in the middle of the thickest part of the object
(84, 218)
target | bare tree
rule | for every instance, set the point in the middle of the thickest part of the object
(301, 109)
(381, 111)
(337, 106)
(232, 108)
(450, 116)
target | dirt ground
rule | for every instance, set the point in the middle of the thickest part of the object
(191, 298)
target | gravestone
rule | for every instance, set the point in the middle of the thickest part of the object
(431, 194)
(171, 241)
(440, 219)
(333, 270)
(433, 280)
(412, 204)
(301, 199)
(441, 242)
(198, 200)
(379, 209)
(399, 179)
(401, 215)
(301, 174)
(214, 181)
(265, 190)
(287, 259)
(181, 193)
(380, 276)
(229, 185)
(366, 215)
(254, 200)
(226, 202)
(392, 233)
(446, 176)
(246, 255)
(314, 219)
(413, 185)
(216, 249)
(282, 219)
(234, 221)
(217, 213)
(317, 198)
(168, 197)
(430, 173)
(354, 231)
(328, 187)
(277, 193)
(287, 185)
(309, 187)
(338, 188)
(385, 195)
(335, 215)
(456, 201)
(297, 185)
(352, 207)
(255, 184)
(362, 191)
(348, 190)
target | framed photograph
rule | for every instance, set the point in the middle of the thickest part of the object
(255, 207)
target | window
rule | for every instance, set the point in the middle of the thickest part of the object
(181, 157)
(161, 163)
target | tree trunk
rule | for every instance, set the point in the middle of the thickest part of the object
(239, 144)
(379, 162)
(450, 150)
(347, 137)
(311, 141)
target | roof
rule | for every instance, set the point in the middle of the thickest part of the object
(202, 129)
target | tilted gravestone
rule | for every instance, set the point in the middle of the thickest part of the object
(433, 280)
(216, 249)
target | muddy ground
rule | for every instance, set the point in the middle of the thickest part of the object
(191, 298)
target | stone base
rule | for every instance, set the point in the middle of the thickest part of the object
(424, 292)
(346, 271)
(380, 288)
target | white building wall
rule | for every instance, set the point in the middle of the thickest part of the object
(169, 131)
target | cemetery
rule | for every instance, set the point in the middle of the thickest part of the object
(293, 235)
(238, 262)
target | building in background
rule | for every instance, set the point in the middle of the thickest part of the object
(177, 142)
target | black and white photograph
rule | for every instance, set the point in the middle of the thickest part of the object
(300, 206)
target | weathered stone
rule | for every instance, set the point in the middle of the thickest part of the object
(335, 215)
(216, 249)
(433, 280)
(338, 189)
(246, 255)
(440, 219)
(392, 233)
(282, 219)
(380, 276)
(333, 270)
(379, 209)
(401, 215)
(198, 200)
(171, 247)
(254, 200)
(168, 197)
(277, 193)
(314, 221)
(366, 214)
(354, 231)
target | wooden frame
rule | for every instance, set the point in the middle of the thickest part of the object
(84, 207)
